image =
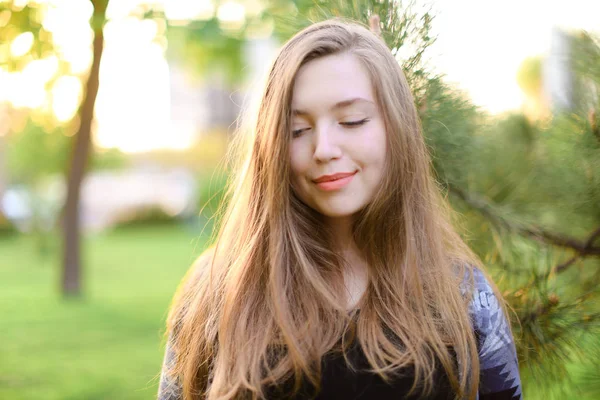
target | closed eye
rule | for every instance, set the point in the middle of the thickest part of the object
(297, 132)
(354, 123)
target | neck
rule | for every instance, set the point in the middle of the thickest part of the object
(341, 229)
(343, 241)
(355, 271)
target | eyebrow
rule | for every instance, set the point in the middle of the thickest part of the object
(336, 106)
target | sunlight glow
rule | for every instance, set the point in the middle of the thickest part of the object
(27, 91)
(133, 105)
(66, 95)
(71, 33)
(18, 4)
(231, 12)
(122, 8)
(43, 70)
(4, 17)
(6, 84)
(26, 88)
(481, 45)
(181, 10)
(21, 44)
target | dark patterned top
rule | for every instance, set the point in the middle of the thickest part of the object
(499, 372)
(499, 369)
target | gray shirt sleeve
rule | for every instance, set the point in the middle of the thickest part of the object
(169, 388)
(499, 373)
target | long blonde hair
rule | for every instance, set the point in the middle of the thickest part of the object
(266, 302)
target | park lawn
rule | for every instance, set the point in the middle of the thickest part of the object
(109, 344)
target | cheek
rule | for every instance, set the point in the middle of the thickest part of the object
(373, 148)
(375, 153)
(380, 145)
(298, 163)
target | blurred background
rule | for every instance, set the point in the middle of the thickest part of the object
(115, 117)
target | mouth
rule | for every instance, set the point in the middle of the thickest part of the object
(333, 177)
(335, 181)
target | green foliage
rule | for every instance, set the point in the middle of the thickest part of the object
(205, 49)
(42, 147)
(586, 66)
(525, 178)
(17, 18)
(6, 228)
(545, 173)
(506, 145)
(450, 124)
(587, 375)
(108, 159)
(35, 152)
(149, 216)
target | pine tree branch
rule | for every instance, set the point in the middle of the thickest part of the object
(563, 266)
(583, 249)
(480, 205)
(587, 246)
(552, 302)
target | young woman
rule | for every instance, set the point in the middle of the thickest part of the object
(336, 273)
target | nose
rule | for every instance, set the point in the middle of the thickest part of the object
(326, 144)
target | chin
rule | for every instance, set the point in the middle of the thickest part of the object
(338, 212)
(336, 215)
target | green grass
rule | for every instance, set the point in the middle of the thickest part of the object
(108, 345)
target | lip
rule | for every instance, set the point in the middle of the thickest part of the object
(335, 181)
(334, 177)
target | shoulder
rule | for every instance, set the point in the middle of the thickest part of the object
(480, 287)
(484, 300)
(499, 367)
(169, 387)
(485, 307)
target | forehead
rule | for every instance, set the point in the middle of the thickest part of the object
(324, 82)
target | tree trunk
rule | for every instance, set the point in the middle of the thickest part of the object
(71, 276)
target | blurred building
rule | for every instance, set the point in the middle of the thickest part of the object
(211, 105)
(189, 110)
(558, 73)
(566, 87)
(200, 107)
(107, 198)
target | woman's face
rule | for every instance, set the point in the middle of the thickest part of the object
(338, 138)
